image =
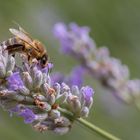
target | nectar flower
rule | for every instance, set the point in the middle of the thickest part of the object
(111, 73)
(28, 92)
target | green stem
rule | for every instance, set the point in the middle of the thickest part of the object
(97, 129)
(91, 126)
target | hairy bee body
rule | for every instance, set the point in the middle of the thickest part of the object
(13, 45)
(22, 43)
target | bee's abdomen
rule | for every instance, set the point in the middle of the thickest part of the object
(13, 45)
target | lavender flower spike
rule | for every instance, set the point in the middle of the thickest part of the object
(28, 92)
(111, 73)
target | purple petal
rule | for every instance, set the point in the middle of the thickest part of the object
(14, 81)
(28, 115)
(57, 78)
(87, 93)
(60, 30)
(79, 31)
(76, 77)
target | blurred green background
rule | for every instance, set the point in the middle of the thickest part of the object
(113, 23)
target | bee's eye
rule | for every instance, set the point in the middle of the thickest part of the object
(44, 59)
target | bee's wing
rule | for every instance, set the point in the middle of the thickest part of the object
(23, 31)
(23, 36)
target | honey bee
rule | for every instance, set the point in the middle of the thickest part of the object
(23, 43)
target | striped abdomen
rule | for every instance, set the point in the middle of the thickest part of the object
(13, 45)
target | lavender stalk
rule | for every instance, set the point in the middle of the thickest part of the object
(28, 92)
(112, 74)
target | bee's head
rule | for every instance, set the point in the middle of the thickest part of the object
(44, 60)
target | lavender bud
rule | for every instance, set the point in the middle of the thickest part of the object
(44, 78)
(65, 88)
(23, 90)
(61, 130)
(45, 88)
(2, 70)
(90, 103)
(40, 97)
(38, 79)
(54, 114)
(57, 89)
(75, 90)
(28, 99)
(65, 122)
(51, 99)
(62, 121)
(6, 92)
(61, 98)
(41, 117)
(10, 64)
(27, 80)
(86, 96)
(4, 58)
(18, 97)
(44, 106)
(74, 103)
(84, 112)
(9, 73)
(33, 71)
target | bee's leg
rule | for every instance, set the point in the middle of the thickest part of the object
(29, 58)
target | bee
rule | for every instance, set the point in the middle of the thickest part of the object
(23, 43)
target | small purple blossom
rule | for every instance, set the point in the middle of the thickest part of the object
(87, 93)
(76, 77)
(60, 30)
(57, 78)
(73, 37)
(80, 32)
(47, 68)
(14, 81)
(28, 115)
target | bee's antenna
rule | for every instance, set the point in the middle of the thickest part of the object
(16, 23)
(20, 28)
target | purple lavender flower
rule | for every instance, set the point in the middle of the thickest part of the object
(74, 36)
(76, 77)
(28, 115)
(87, 93)
(57, 78)
(111, 73)
(28, 92)
(80, 32)
(47, 68)
(60, 31)
(14, 81)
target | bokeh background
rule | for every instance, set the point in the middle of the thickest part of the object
(113, 23)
